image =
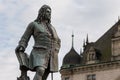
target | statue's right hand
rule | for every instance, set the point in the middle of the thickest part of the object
(19, 49)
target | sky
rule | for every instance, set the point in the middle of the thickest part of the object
(82, 17)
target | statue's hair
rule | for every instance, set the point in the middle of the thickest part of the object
(41, 13)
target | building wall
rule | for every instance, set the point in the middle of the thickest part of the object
(69, 76)
(113, 74)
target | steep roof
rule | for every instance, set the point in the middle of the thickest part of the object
(104, 43)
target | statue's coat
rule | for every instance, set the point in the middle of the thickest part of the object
(46, 46)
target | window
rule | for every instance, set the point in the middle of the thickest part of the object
(91, 77)
(67, 78)
(91, 54)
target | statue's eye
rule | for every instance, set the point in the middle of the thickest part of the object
(48, 11)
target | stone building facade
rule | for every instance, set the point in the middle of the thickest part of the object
(99, 60)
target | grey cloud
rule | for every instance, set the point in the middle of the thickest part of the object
(81, 16)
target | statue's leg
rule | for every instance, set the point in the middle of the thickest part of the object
(46, 73)
(39, 73)
(44, 77)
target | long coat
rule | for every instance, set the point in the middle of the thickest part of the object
(46, 46)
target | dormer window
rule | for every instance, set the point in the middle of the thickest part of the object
(116, 45)
(91, 54)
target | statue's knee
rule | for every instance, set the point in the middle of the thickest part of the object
(40, 70)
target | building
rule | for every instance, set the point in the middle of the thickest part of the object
(99, 60)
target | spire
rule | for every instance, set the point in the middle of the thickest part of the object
(84, 43)
(72, 40)
(87, 41)
(80, 51)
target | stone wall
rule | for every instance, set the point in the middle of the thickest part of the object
(102, 71)
(113, 74)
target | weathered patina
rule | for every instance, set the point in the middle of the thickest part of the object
(44, 55)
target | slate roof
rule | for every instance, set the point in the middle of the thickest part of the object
(71, 58)
(104, 43)
(102, 46)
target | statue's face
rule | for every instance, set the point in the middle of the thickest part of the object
(48, 14)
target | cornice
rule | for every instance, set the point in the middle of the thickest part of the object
(91, 68)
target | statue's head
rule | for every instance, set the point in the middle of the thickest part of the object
(44, 14)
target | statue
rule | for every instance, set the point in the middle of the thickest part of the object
(44, 55)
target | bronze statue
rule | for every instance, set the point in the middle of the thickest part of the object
(44, 55)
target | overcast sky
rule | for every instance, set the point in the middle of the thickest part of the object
(92, 17)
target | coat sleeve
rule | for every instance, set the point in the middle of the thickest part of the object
(26, 36)
(57, 43)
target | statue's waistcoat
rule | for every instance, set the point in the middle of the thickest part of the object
(42, 36)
